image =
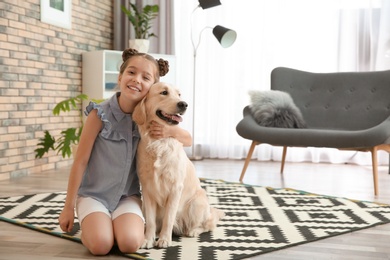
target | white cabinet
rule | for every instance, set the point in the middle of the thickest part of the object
(100, 70)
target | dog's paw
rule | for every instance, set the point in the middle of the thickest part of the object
(163, 243)
(196, 232)
(148, 243)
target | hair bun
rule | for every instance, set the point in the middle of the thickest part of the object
(163, 66)
(127, 53)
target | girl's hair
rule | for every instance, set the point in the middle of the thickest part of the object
(162, 66)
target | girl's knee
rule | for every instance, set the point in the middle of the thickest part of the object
(131, 243)
(98, 245)
(129, 232)
(97, 233)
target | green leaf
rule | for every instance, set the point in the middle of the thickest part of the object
(67, 104)
(141, 19)
(97, 101)
(46, 143)
(68, 138)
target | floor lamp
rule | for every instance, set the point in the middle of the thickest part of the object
(226, 37)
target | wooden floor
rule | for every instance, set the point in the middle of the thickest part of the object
(351, 181)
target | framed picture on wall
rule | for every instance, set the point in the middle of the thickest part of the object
(57, 12)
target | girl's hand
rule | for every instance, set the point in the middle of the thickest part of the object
(158, 131)
(66, 219)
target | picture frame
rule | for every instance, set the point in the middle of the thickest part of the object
(57, 12)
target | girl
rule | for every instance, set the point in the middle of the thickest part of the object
(103, 183)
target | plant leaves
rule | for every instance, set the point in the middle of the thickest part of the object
(68, 138)
(47, 142)
(67, 104)
(141, 20)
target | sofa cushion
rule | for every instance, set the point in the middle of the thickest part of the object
(273, 108)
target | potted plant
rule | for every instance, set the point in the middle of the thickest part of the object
(67, 142)
(142, 23)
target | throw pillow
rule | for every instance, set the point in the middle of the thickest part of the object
(274, 108)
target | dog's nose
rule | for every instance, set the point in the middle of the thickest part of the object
(182, 105)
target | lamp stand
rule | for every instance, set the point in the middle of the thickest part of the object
(226, 38)
(193, 156)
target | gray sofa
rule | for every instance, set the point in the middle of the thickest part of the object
(344, 110)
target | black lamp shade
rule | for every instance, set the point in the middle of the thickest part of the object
(226, 37)
(209, 3)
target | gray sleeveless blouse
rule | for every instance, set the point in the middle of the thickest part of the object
(111, 172)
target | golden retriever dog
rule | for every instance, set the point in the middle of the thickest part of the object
(173, 199)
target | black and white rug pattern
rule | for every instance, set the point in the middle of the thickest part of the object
(258, 220)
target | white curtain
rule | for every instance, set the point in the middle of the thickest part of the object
(316, 36)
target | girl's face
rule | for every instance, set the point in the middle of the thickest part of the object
(137, 78)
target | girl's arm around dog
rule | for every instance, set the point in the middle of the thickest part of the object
(159, 131)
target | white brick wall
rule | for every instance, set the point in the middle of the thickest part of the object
(40, 65)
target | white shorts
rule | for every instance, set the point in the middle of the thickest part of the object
(88, 205)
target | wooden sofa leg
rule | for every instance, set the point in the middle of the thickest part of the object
(248, 159)
(375, 169)
(283, 159)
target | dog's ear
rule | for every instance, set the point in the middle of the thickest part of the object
(139, 113)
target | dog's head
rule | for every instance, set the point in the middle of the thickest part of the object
(162, 104)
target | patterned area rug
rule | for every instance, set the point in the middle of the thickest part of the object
(258, 220)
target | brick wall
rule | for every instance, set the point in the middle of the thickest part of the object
(40, 65)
